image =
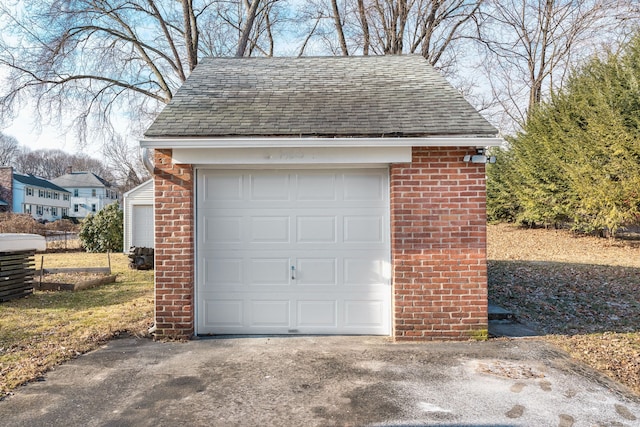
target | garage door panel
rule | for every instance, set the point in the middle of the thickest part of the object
(316, 186)
(269, 186)
(269, 313)
(364, 229)
(364, 313)
(220, 271)
(223, 313)
(316, 229)
(316, 271)
(269, 229)
(222, 188)
(269, 271)
(223, 230)
(363, 187)
(317, 314)
(331, 226)
(365, 272)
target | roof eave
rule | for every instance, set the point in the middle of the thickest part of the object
(296, 142)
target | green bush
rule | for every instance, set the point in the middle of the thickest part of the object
(102, 232)
(577, 159)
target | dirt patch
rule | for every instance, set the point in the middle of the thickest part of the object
(72, 281)
(582, 292)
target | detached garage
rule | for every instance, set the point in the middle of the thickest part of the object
(138, 216)
(336, 195)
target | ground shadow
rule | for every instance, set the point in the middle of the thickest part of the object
(567, 298)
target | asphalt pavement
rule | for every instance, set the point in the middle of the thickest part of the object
(322, 381)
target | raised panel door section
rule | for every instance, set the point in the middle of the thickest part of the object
(365, 272)
(316, 271)
(223, 229)
(316, 229)
(318, 314)
(269, 186)
(269, 271)
(269, 313)
(226, 272)
(368, 314)
(269, 229)
(226, 187)
(364, 229)
(316, 186)
(223, 313)
(364, 187)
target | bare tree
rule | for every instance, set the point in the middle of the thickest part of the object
(9, 148)
(531, 45)
(432, 28)
(51, 164)
(125, 163)
(88, 61)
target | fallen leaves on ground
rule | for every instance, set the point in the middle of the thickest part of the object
(582, 292)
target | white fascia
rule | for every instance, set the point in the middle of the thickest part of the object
(436, 141)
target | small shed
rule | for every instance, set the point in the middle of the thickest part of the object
(138, 216)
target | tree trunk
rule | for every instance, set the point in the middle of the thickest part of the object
(252, 10)
(338, 24)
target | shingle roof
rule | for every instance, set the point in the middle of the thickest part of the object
(320, 96)
(37, 182)
(80, 180)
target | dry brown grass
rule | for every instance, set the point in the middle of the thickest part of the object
(47, 328)
(581, 292)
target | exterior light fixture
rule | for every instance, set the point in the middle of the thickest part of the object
(479, 157)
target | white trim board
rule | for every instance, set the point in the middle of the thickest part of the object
(436, 141)
(287, 156)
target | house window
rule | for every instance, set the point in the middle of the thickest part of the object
(27, 209)
(93, 192)
(75, 208)
(29, 191)
(41, 193)
(39, 210)
(65, 196)
(93, 207)
(65, 212)
(56, 195)
(48, 194)
(75, 192)
(54, 211)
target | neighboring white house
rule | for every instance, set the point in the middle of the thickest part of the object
(89, 192)
(32, 195)
(138, 216)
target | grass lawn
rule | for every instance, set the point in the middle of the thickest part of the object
(47, 328)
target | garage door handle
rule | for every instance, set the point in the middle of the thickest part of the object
(293, 272)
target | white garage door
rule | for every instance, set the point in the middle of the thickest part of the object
(142, 229)
(292, 251)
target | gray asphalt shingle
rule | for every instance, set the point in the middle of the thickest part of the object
(320, 96)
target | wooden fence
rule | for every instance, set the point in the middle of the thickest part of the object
(16, 274)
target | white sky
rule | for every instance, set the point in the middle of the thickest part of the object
(29, 134)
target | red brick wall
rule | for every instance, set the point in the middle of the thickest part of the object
(6, 188)
(174, 247)
(438, 246)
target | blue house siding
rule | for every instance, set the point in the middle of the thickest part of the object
(18, 196)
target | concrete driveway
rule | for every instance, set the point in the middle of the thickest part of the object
(321, 381)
